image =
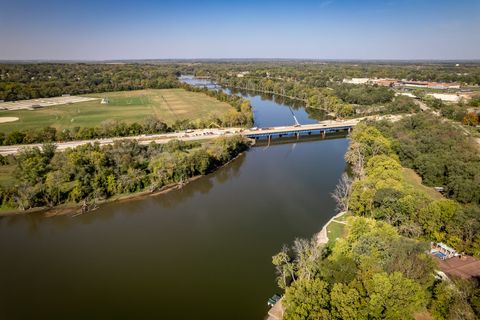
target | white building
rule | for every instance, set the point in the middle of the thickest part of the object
(242, 74)
(356, 80)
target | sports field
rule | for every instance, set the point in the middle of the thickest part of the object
(167, 105)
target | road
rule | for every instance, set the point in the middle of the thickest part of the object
(188, 135)
(142, 139)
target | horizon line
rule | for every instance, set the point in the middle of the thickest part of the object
(246, 59)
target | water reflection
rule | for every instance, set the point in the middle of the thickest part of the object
(187, 254)
(268, 109)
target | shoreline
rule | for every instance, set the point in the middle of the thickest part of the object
(322, 236)
(276, 312)
(74, 209)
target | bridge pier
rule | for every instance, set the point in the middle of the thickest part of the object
(297, 131)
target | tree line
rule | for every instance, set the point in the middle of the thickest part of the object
(320, 73)
(90, 173)
(41, 80)
(340, 99)
(371, 273)
(380, 269)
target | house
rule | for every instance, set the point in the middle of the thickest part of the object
(442, 251)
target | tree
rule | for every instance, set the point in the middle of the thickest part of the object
(435, 217)
(356, 157)
(342, 193)
(392, 296)
(349, 303)
(285, 268)
(307, 300)
(450, 303)
(307, 255)
(471, 119)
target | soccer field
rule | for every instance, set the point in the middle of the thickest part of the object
(167, 105)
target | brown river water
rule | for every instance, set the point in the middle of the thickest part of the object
(201, 252)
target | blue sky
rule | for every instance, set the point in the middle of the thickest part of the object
(325, 29)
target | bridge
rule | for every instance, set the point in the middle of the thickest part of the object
(321, 128)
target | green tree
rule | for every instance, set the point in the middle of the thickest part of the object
(349, 301)
(307, 299)
(392, 296)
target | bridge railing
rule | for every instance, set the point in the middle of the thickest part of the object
(299, 131)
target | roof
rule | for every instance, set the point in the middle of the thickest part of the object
(464, 267)
(444, 246)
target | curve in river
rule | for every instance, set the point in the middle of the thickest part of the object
(202, 252)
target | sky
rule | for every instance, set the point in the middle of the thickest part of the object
(185, 29)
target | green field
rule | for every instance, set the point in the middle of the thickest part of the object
(167, 105)
(335, 231)
(415, 180)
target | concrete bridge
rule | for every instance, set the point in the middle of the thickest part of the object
(321, 128)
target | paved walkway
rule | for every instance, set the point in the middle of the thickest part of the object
(322, 236)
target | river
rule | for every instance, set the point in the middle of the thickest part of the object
(202, 252)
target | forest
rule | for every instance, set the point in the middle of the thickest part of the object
(30, 81)
(90, 173)
(379, 268)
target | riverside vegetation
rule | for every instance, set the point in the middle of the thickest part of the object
(90, 173)
(379, 269)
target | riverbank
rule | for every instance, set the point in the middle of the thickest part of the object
(206, 224)
(277, 311)
(75, 209)
(322, 236)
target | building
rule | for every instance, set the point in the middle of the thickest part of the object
(356, 80)
(242, 74)
(442, 251)
(429, 85)
(384, 82)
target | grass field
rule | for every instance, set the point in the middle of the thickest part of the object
(335, 230)
(414, 179)
(167, 105)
